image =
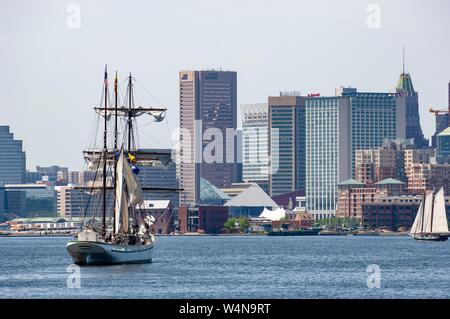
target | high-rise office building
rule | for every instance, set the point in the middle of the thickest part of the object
(12, 158)
(255, 146)
(328, 152)
(286, 143)
(413, 129)
(374, 117)
(336, 127)
(208, 108)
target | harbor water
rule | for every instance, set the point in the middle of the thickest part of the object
(235, 267)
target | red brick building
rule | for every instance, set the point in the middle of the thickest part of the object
(162, 211)
(353, 194)
(202, 219)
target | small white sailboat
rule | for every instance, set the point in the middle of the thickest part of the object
(431, 219)
(127, 239)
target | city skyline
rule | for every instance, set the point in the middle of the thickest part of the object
(60, 67)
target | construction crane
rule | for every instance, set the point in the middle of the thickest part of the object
(438, 112)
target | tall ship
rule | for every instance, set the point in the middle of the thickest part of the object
(431, 219)
(118, 231)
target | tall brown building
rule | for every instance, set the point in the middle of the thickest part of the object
(207, 105)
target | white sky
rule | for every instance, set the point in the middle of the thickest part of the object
(52, 74)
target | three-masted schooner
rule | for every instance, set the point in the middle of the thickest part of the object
(431, 218)
(129, 239)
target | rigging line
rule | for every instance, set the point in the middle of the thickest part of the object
(149, 123)
(168, 221)
(154, 140)
(94, 137)
(91, 133)
(170, 132)
(157, 100)
(136, 134)
(90, 192)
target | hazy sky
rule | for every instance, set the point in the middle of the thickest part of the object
(51, 73)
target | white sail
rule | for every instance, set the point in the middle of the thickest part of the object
(427, 214)
(135, 196)
(418, 220)
(121, 207)
(439, 223)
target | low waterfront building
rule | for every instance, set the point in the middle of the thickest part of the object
(202, 219)
(250, 203)
(353, 194)
(293, 221)
(55, 225)
(394, 212)
(162, 211)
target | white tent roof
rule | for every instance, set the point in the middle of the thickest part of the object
(253, 196)
(273, 215)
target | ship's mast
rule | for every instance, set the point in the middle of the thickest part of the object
(115, 150)
(130, 121)
(130, 115)
(432, 212)
(105, 150)
(423, 211)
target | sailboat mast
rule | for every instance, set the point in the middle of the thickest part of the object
(432, 213)
(423, 211)
(115, 149)
(105, 149)
(130, 122)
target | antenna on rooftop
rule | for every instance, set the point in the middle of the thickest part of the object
(403, 59)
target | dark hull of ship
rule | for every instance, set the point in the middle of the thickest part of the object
(97, 253)
(431, 237)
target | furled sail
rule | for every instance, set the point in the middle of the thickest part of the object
(439, 223)
(135, 196)
(128, 193)
(121, 207)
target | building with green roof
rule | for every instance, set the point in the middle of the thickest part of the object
(409, 97)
